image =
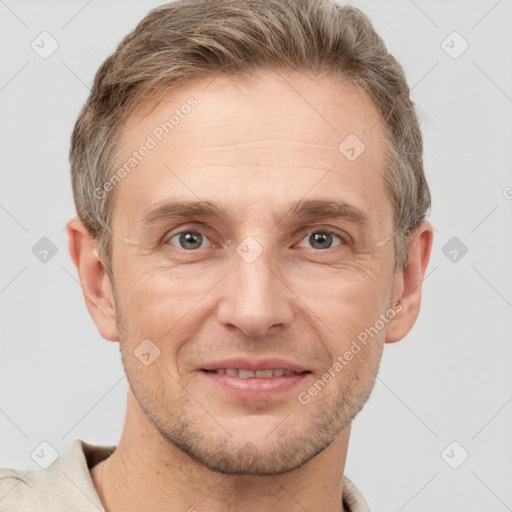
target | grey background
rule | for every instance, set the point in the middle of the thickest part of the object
(449, 380)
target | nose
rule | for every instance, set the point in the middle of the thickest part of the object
(255, 298)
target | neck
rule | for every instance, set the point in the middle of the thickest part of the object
(146, 472)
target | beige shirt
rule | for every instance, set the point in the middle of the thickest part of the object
(66, 485)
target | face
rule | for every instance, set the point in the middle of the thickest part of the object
(251, 295)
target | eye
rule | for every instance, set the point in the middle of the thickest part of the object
(322, 239)
(188, 240)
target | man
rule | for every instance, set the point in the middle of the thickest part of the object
(251, 229)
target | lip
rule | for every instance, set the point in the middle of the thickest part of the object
(252, 364)
(254, 388)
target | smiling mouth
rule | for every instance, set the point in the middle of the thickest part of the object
(255, 374)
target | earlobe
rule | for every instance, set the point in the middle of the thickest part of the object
(409, 282)
(95, 283)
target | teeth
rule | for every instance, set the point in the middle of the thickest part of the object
(249, 374)
(264, 373)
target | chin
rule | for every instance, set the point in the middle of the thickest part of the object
(258, 451)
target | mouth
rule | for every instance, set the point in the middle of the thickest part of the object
(249, 379)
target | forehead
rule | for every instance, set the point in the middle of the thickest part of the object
(254, 143)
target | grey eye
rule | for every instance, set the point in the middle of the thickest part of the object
(321, 239)
(188, 240)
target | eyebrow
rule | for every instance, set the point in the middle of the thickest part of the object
(303, 209)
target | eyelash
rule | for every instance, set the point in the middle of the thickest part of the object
(344, 239)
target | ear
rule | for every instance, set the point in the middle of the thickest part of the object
(408, 282)
(94, 280)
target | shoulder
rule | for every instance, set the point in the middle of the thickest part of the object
(22, 489)
(353, 500)
(65, 484)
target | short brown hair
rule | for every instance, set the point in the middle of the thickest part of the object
(190, 39)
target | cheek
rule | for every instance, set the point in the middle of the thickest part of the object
(163, 305)
(346, 297)
(344, 310)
